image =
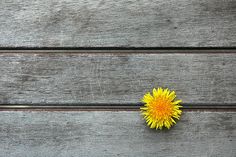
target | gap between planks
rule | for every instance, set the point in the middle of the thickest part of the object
(217, 108)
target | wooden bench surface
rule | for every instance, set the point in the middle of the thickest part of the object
(123, 23)
(117, 78)
(108, 133)
(72, 74)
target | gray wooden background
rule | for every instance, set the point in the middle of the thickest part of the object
(119, 23)
(97, 92)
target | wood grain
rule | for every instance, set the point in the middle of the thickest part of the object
(83, 79)
(69, 134)
(106, 23)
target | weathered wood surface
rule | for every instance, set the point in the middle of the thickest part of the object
(115, 78)
(104, 23)
(68, 134)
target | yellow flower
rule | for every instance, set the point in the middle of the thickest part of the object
(160, 110)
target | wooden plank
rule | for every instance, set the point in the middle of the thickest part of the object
(83, 79)
(105, 23)
(105, 133)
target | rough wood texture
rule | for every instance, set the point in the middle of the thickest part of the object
(115, 78)
(121, 23)
(69, 134)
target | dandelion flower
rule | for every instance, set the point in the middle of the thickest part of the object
(161, 109)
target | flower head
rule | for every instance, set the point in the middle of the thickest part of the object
(161, 109)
